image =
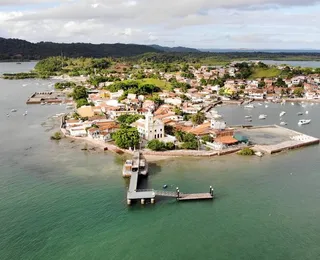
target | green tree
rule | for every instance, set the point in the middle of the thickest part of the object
(126, 137)
(82, 102)
(79, 92)
(203, 82)
(128, 119)
(156, 145)
(198, 118)
(280, 83)
(298, 92)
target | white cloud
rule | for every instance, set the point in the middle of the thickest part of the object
(202, 23)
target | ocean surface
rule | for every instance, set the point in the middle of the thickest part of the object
(304, 64)
(58, 202)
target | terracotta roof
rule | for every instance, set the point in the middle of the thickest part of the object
(226, 140)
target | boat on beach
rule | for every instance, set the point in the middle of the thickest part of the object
(304, 121)
(137, 164)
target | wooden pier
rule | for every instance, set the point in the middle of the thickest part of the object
(195, 196)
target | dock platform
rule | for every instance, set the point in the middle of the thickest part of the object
(195, 196)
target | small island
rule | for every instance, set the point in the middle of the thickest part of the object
(168, 108)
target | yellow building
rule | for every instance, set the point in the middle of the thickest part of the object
(85, 111)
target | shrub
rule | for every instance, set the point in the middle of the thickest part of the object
(56, 136)
(246, 151)
(156, 145)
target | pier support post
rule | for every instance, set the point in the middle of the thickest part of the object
(152, 201)
(142, 201)
(128, 202)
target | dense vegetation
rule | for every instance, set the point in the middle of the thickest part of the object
(80, 96)
(157, 145)
(64, 85)
(128, 119)
(24, 50)
(126, 137)
(189, 141)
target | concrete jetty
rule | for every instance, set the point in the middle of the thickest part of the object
(135, 194)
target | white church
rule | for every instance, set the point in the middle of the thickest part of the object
(149, 128)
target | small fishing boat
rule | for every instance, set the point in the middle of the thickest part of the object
(165, 186)
(260, 154)
(248, 117)
(14, 110)
(299, 114)
(283, 123)
(292, 104)
(249, 106)
(304, 121)
(282, 113)
(8, 115)
(261, 117)
(307, 112)
(266, 106)
(249, 120)
(259, 104)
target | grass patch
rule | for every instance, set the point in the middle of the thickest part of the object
(265, 73)
(164, 85)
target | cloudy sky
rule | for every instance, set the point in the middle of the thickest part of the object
(258, 24)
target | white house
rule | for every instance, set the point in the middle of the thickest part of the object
(218, 123)
(78, 131)
(150, 128)
(173, 101)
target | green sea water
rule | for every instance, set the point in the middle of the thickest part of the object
(58, 202)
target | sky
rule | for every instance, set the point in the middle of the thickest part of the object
(216, 24)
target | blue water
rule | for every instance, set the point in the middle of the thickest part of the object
(58, 202)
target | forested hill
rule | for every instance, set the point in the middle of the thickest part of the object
(21, 49)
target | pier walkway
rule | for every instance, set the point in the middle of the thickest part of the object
(134, 194)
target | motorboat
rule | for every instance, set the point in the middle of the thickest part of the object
(282, 113)
(260, 154)
(165, 186)
(249, 120)
(262, 116)
(266, 106)
(304, 121)
(137, 164)
(283, 123)
(249, 106)
(14, 110)
(307, 112)
(248, 117)
(292, 104)
(299, 114)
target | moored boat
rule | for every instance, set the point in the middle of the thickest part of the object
(137, 164)
(304, 121)
(262, 116)
(283, 123)
(249, 106)
(299, 114)
(282, 113)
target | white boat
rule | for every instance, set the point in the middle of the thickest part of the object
(307, 112)
(249, 120)
(260, 154)
(249, 106)
(262, 116)
(266, 106)
(300, 114)
(248, 117)
(283, 123)
(292, 103)
(14, 110)
(137, 164)
(8, 115)
(282, 113)
(259, 104)
(304, 121)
